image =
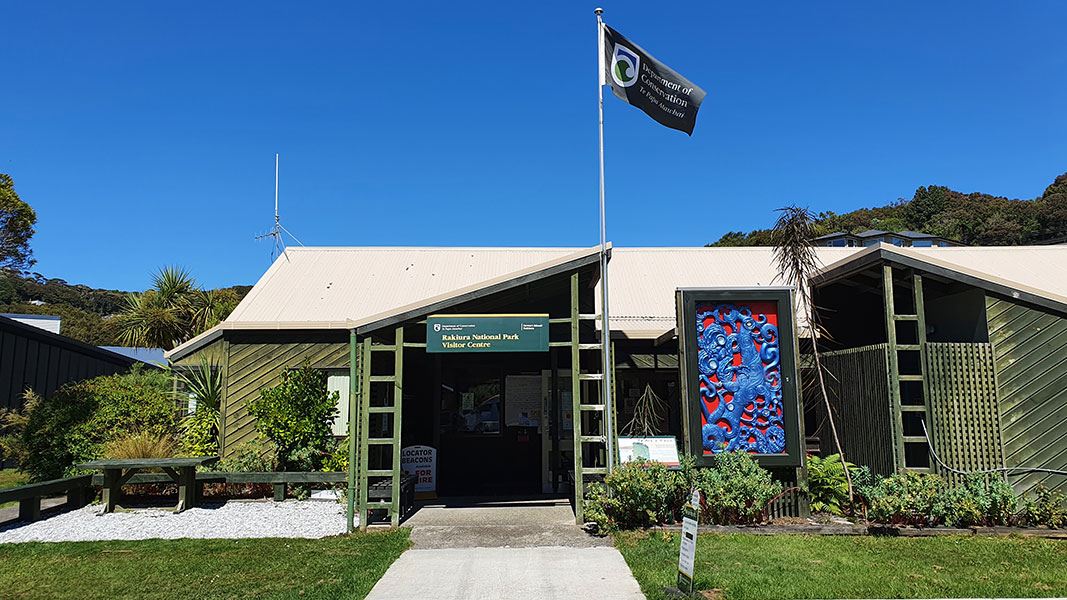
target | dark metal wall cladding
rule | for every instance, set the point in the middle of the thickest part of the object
(44, 361)
(1030, 353)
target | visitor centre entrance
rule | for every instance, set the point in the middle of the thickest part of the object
(474, 395)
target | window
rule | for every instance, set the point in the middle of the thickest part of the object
(337, 381)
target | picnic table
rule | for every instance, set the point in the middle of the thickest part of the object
(119, 471)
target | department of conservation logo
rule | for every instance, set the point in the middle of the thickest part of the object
(437, 327)
(624, 66)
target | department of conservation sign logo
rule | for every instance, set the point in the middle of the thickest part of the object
(624, 66)
(437, 327)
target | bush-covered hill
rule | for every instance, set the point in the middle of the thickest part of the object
(975, 218)
(85, 311)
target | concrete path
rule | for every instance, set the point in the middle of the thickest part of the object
(504, 573)
(464, 523)
(520, 549)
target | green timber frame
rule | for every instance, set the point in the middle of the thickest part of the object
(589, 421)
(361, 380)
(367, 468)
(906, 388)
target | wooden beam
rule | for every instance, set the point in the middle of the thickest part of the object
(576, 402)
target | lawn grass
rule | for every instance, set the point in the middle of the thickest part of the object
(337, 567)
(748, 567)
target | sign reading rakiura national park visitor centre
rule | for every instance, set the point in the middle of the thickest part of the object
(487, 333)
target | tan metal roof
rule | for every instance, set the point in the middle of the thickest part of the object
(643, 280)
(345, 287)
(316, 285)
(1039, 272)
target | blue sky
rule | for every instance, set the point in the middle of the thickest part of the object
(144, 133)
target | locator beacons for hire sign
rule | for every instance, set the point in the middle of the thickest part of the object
(688, 549)
(487, 333)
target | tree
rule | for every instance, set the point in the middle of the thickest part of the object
(794, 250)
(172, 311)
(16, 228)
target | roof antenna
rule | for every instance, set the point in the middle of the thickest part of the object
(275, 232)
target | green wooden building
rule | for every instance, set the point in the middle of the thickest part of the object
(530, 422)
(962, 347)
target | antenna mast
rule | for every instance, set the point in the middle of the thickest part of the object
(275, 232)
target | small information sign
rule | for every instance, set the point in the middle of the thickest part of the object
(688, 549)
(659, 448)
(421, 461)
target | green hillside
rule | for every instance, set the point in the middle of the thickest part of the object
(86, 312)
(974, 218)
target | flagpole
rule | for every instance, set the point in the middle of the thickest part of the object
(605, 326)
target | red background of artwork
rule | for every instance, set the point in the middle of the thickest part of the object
(768, 308)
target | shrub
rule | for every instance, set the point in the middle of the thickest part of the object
(1045, 509)
(199, 432)
(296, 416)
(337, 460)
(141, 445)
(827, 485)
(250, 457)
(642, 494)
(736, 489)
(74, 423)
(906, 498)
(200, 429)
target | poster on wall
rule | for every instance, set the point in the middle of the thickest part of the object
(420, 461)
(738, 350)
(522, 401)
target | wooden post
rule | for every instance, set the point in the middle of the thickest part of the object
(920, 324)
(576, 405)
(364, 427)
(111, 489)
(353, 425)
(398, 398)
(894, 365)
(186, 488)
(30, 509)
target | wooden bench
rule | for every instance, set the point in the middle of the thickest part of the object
(280, 480)
(29, 496)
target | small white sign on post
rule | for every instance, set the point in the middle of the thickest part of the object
(421, 461)
(688, 548)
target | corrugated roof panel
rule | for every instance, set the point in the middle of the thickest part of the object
(321, 286)
(318, 285)
(643, 280)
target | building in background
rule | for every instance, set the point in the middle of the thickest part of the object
(34, 358)
(50, 323)
(873, 237)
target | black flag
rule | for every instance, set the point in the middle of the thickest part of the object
(648, 84)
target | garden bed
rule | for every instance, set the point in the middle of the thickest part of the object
(752, 567)
(873, 529)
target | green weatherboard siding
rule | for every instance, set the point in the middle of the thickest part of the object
(487, 333)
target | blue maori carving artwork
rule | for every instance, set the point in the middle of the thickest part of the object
(740, 378)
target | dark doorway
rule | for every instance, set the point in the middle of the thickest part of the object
(490, 424)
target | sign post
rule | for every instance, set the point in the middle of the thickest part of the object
(688, 549)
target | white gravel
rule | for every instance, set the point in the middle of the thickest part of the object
(232, 520)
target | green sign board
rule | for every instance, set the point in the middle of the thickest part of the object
(487, 333)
